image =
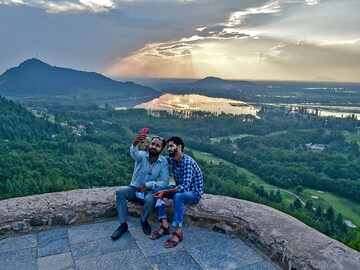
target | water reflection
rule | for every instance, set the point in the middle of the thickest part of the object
(193, 102)
(324, 110)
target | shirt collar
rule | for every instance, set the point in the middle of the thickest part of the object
(147, 155)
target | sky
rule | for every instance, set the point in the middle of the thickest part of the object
(301, 40)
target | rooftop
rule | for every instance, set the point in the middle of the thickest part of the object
(90, 247)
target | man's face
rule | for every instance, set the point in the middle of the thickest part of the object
(155, 147)
(172, 149)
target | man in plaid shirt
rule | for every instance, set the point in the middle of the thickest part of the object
(188, 190)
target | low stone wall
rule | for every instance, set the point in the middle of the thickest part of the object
(288, 242)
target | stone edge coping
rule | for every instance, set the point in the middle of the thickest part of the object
(284, 239)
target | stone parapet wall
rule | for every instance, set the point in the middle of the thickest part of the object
(288, 242)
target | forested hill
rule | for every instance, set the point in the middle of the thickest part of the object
(16, 123)
(34, 77)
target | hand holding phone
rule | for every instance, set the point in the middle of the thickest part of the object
(141, 136)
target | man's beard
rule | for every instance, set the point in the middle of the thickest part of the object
(152, 152)
(173, 153)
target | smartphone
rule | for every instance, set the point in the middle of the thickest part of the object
(145, 131)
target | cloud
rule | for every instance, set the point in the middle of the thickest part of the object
(54, 6)
(303, 60)
(248, 39)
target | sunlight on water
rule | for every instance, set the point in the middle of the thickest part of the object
(192, 102)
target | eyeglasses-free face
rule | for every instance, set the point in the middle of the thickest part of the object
(161, 139)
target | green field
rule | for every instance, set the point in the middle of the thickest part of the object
(288, 198)
(231, 137)
(349, 209)
(353, 137)
(210, 158)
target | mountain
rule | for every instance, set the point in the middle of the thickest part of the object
(214, 82)
(323, 79)
(16, 123)
(34, 77)
(210, 86)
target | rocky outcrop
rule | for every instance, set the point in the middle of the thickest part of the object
(287, 241)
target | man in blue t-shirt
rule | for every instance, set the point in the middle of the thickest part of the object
(150, 172)
(188, 190)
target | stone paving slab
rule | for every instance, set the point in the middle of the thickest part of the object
(20, 242)
(88, 247)
(179, 260)
(19, 259)
(61, 261)
(53, 242)
(129, 260)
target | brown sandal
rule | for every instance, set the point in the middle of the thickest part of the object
(172, 243)
(156, 235)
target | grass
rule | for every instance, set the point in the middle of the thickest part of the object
(287, 198)
(231, 137)
(252, 177)
(239, 136)
(353, 137)
(349, 209)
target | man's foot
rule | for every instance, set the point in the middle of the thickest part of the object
(160, 232)
(174, 240)
(146, 227)
(119, 231)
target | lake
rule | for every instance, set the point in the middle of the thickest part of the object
(193, 102)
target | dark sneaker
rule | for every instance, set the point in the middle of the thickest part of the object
(146, 227)
(119, 231)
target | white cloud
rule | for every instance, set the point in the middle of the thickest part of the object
(54, 6)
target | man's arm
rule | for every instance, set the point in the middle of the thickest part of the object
(134, 151)
(163, 179)
(161, 193)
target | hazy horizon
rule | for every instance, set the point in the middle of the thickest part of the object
(164, 79)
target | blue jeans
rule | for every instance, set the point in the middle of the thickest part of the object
(128, 193)
(180, 199)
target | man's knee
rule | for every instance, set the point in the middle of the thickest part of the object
(178, 197)
(122, 192)
(149, 200)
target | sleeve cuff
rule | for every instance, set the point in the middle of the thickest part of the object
(149, 185)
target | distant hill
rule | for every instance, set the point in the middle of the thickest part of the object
(16, 123)
(214, 82)
(34, 77)
(323, 79)
(210, 86)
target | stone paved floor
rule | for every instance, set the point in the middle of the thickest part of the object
(90, 247)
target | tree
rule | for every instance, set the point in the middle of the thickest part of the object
(278, 198)
(319, 212)
(297, 203)
(330, 215)
(299, 189)
(309, 205)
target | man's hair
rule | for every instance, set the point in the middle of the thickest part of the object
(161, 139)
(178, 141)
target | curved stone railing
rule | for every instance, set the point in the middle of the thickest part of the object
(285, 240)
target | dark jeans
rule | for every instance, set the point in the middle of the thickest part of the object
(128, 193)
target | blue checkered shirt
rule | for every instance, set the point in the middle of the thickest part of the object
(187, 175)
